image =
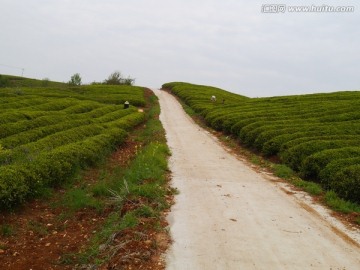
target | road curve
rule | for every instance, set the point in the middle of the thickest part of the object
(227, 216)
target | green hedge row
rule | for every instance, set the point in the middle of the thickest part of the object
(346, 182)
(108, 94)
(267, 135)
(21, 102)
(16, 81)
(50, 124)
(10, 129)
(33, 135)
(14, 116)
(40, 120)
(28, 152)
(19, 181)
(22, 179)
(27, 144)
(295, 156)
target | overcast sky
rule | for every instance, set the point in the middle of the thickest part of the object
(230, 44)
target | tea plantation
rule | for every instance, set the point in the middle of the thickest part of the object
(47, 134)
(317, 135)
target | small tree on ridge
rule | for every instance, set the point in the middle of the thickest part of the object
(75, 80)
(116, 78)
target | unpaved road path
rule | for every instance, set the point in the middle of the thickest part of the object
(227, 216)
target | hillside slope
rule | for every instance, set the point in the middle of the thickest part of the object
(316, 135)
(47, 134)
(17, 81)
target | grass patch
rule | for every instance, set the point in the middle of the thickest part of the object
(119, 195)
(100, 189)
(44, 193)
(76, 199)
(310, 187)
(283, 171)
(6, 230)
(229, 141)
(146, 211)
(129, 220)
(313, 188)
(258, 160)
(149, 164)
(255, 160)
(38, 228)
(144, 179)
(340, 205)
(153, 130)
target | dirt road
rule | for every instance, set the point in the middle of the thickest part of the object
(228, 216)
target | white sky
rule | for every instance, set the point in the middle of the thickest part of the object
(229, 44)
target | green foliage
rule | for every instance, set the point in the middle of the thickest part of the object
(13, 185)
(295, 155)
(315, 163)
(76, 199)
(283, 171)
(145, 211)
(6, 230)
(310, 187)
(346, 183)
(75, 80)
(45, 82)
(100, 189)
(339, 204)
(150, 164)
(116, 78)
(315, 135)
(4, 81)
(129, 220)
(255, 159)
(329, 174)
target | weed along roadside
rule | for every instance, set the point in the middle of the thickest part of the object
(140, 238)
(107, 216)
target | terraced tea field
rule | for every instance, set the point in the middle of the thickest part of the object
(316, 135)
(46, 134)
